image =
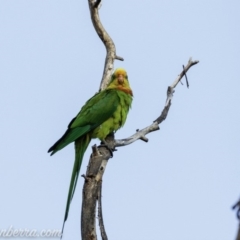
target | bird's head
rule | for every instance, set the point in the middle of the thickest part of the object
(120, 75)
(119, 79)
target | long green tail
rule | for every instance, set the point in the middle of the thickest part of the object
(81, 145)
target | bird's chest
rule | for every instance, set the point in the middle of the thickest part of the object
(117, 119)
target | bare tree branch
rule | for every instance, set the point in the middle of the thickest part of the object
(99, 157)
(90, 194)
(107, 41)
(141, 134)
(138, 135)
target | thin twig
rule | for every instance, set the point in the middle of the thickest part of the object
(179, 77)
(100, 215)
(119, 58)
(185, 76)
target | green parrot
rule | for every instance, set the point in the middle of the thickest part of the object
(101, 115)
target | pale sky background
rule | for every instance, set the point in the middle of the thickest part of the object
(179, 185)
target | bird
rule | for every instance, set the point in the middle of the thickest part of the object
(101, 115)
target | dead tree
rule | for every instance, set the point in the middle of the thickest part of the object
(91, 194)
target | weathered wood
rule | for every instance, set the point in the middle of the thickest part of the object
(107, 41)
(100, 214)
(90, 194)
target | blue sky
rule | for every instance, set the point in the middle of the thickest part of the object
(183, 182)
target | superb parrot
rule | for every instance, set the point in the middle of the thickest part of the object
(101, 115)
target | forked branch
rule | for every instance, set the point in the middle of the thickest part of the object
(141, 134)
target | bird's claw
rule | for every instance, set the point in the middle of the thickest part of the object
(109, 147)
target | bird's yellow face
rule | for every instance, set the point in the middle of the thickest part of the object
(120, 81)
(119, 77)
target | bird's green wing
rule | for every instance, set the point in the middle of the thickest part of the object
(96, 111)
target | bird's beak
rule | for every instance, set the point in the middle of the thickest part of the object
(120, 79)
